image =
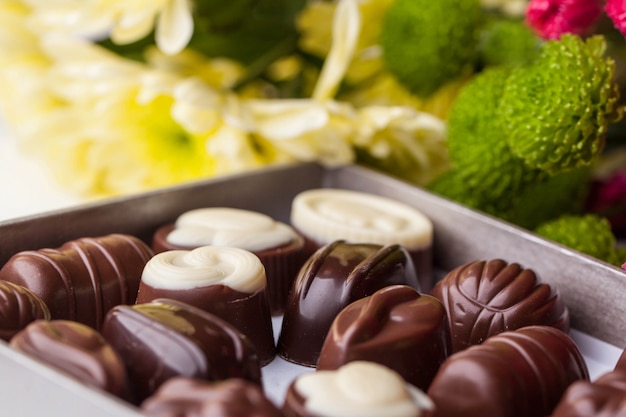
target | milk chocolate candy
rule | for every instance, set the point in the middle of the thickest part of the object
(189, 397)
(358, 388)
(335, 276)
(225, 281)
(167, 338)
(484, 298)
(605, 397)
(19, 307)
(396, 327)
(84, 278)
(76, 350)
(325, 215)
(518, 373)
(277, 245)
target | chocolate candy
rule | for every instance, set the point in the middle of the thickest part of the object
(225, 281)
(277, 245)
(180, 397)
(484, 298)
(167, 338)
(19, 307)
(75, 349)
(605, 397)
(356, 389)
(396, 327)
(519, 373)
(335, 276)
(84, 278)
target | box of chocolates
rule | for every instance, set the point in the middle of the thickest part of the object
(98, 278)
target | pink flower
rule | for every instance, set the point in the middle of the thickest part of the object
(616, 10)
(552, 18)
(607, 197)
(624, 266)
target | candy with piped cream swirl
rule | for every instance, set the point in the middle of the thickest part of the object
(226, 281)
(325, 215)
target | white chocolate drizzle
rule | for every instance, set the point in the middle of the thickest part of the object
(236, 268)
(326, 215)
(360, 388)
(222, 226)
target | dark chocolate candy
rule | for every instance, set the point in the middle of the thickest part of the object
(396, 327)
(484, 298)
(84, 278)
(605, 397)
(75, 349)
(518, 373)
(19, 307)
(167, 338)
(335, 276)
(189, 397)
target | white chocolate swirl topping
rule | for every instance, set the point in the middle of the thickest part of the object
(361, 388)
(222, 226)
(326, 215)
(236, 268)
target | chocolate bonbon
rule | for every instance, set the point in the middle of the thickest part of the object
(226, 281)
(77, 350)
(190, 397)
(335, 276)
(277, 244)
(396, 327)
(358, 388)
(84, 278)
(167, 338)
(518, 373)
(19, 307)
(484, 298)
(605, 397)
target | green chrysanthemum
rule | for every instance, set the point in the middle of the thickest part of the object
(508, 42)
(556, 111)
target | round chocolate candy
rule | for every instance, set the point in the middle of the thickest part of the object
(225, 281)
(484, 298)
(605, 397)
(518, 373)
(396, 327)
(19, 307)
(335, 276)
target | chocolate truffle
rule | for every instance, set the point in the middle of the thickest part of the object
(189, 397)
(396, 327)
(225, 281)
(325, 215)
(335, 276)
(76, 350)
(518, 373)
(19, 307)
(605, 397)
(358, 388)
(278, 246)
(484, 298)
(167, 338)
(84, 278)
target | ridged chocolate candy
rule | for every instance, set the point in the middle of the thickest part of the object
(234, 397)
(518, 373)
(396, 327)
(19, 307)
(335, 276)
(604, 397)
(84, 278)
(484, 298)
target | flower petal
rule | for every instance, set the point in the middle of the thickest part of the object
(286, 119)
(175, 27)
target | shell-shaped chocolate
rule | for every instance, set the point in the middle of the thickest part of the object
(518, 373)
(181, 396)
(397, 327)
(75, 349)
(19, 307)
(84, 278)
(484, 298)
(606, 397)
(335, 276)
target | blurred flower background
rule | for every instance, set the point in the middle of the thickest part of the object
(117, 97)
